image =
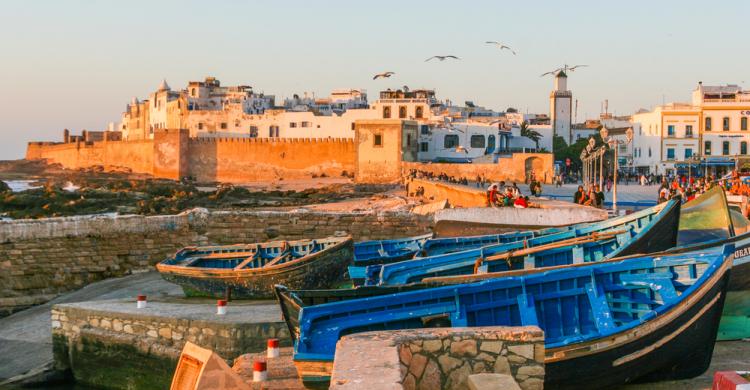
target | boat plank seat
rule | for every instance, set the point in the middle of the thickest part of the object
(249, 259)
(578, 255)
(658, 282)
(600, 308)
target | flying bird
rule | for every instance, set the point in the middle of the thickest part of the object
(553, 72)
(573, 68)
(442, 58)
(501, 46)
(383, 75)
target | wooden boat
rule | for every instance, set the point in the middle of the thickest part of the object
(606, 323)
(646, 231)
(251, 270)
(370, 253)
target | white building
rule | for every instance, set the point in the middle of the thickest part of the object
(710, 133)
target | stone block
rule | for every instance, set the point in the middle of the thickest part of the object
(464, 348)
(502, 366)
(491, 346)
(431, 377)
(432, 345)
(525, 350)
(448, 363)
(417, 365)
(492, 382)
(531, 370)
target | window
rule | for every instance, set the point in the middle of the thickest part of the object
(450, 141)
(649, 151)
(419, 112)
(707, 148)
(352, 125)
(708, 123)
(192, 92)
(253, 131)
(292, 124)
(200, 125)
(490, 143)
(237, 123)
(743, 123)
(377, 141)
(725, 148)
(424, 129)
(725, 123)
(670, 131)
(670, 153)
(270, 131)
(408, 140)
(223, 125)
(689, 131)
(688, 153)
(477, 141)
(305, 124)
(402, 112)
(386, 112)
(743, 147)
(424, 147)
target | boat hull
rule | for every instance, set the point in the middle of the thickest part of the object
(680, 349)
(321, 270)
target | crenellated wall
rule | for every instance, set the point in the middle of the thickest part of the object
(173, 155)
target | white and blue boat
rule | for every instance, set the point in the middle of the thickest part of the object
(646, 231)
(605, 323)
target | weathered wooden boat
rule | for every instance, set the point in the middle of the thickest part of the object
(606, 323)
(646, 231)
(381, 251)
(251, 270)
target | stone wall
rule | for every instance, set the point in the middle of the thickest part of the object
(243, 160)
(440, 358)
(172, 155)
(40, 259)
(456, 195)
(514, 168)
(104, 346)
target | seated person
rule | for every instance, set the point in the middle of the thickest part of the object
(522, 202)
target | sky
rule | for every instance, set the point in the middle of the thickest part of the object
(76, 64)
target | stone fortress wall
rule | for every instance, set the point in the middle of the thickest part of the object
(40, 259)
(173, 155)
(380, 153)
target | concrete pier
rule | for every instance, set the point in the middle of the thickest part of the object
(113, 344)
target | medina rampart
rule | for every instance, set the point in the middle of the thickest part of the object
(381, 152)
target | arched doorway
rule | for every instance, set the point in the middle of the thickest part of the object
(534, 168)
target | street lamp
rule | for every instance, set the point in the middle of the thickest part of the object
(614, 144)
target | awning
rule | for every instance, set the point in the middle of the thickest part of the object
(719, 162)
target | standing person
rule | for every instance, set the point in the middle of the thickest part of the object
(609, 183)
(598, 197)
(578, 195)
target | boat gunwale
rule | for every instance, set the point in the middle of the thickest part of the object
(230, 273)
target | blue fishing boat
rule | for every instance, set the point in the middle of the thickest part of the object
(371, 253)
(605, 323)
(646, 231)
(381, 251)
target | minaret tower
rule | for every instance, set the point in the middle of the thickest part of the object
(561, 104)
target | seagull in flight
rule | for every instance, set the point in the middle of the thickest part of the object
(442, 58)
(501, 46)
(573, 68)
(552, 72)
(384, 75)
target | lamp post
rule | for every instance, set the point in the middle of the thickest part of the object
(614, 144)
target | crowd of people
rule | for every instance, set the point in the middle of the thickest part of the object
(592, 196)
(501, 195)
